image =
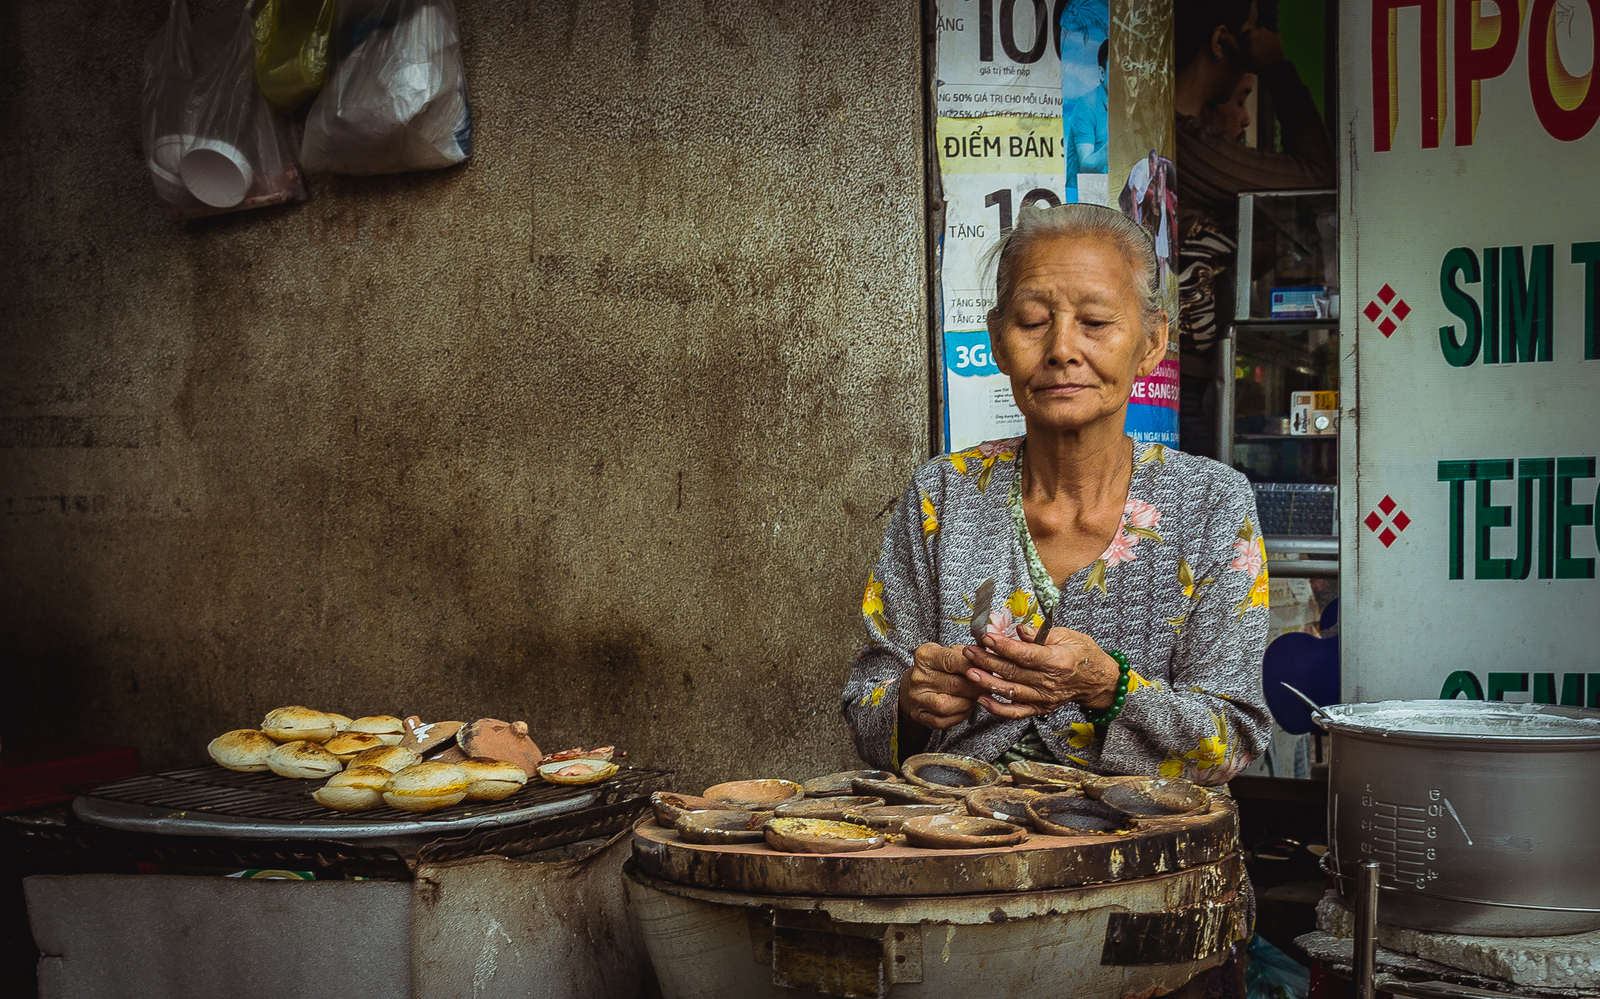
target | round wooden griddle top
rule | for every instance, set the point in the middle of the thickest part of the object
(1157, 846)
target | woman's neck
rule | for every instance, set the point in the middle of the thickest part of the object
(1089, 467)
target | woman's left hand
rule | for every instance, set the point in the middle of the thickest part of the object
(1037, 679)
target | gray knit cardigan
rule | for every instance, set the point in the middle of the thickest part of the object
(1181, 591)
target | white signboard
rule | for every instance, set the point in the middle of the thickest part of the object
(1472, 243)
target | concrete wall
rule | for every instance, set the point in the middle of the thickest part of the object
(599, 430)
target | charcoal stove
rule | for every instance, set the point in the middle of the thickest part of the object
(532, 882)
(210, 816)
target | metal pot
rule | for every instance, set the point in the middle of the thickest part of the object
(1482, 814)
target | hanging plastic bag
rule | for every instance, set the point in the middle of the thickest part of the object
(168, 75)
(211, 141)
(397, 97)
(292, 50)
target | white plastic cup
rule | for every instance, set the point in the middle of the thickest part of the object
(216, 172)
(165, 158)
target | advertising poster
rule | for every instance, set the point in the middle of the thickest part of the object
(1471, 283)
(1000, 145)
(990, 167)
(1144, 180)
(1116, 89)
(1085, 90)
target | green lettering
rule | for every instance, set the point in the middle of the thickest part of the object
(1460, 261)
(1544, 689)
(1491, 305)
(1572, 690)
(1529, 472)
(1527, 304)
(1461, 682)
(1486, 517)
(1570, 515)
(1499, 683)
(1458, 474)
(1588, 254)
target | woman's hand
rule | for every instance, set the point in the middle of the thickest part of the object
(935, 692)
(1037, 679)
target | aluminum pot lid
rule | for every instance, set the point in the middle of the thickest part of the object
(1496, 722)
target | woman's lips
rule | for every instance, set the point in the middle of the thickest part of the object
(1061, 391)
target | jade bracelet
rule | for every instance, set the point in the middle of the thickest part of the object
(1100, 719)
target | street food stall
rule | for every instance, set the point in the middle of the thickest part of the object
(1370, 603)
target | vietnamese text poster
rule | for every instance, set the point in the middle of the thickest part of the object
(1471, 267)
(1000, 146)
(990, 167)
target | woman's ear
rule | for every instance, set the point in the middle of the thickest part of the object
(1157, 351)
(996, 348)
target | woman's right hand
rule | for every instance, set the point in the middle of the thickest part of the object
(935, 692)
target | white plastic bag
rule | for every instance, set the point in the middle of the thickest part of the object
(210, 141)
(397, 97)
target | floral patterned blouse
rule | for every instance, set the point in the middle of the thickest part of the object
(1181, 591)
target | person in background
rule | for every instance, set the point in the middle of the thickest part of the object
(1089, 138)
(1232, 116)
(1216, 45)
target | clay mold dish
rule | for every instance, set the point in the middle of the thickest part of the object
(945, 773)
(825, 808)
(1034, 773)
(889, 818)
(839, 785)
(756, 795)
(723, 827)
(1097, 785)
(1008, 804)
(577, 771)
(1069, 815)
(820, 836)
(904, 794)
(1157, 797)
(961, 832)
(668, 805)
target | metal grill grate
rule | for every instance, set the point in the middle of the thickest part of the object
(217, 791)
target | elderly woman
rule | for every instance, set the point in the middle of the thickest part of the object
(1148, 560)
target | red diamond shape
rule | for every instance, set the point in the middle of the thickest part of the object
(1387, 505)
(1387, 537)
(1401, 520)
(1387, 327)
(1401, 310)
(1386, 294)
(1372, 312)
(1373, 521)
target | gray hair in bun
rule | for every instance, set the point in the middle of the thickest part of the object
(1080, 221)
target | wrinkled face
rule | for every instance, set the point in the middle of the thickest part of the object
(1070, 338)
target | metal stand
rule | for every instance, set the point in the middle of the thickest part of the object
(1366, 949)
(1366, 941)
(1227, 352)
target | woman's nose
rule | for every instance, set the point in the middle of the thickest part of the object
(1063, 344)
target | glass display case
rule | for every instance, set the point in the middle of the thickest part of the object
(1278, 374)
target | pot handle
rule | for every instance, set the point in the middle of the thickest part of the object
(1316, 708)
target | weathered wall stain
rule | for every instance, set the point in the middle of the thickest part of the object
(594, 430)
